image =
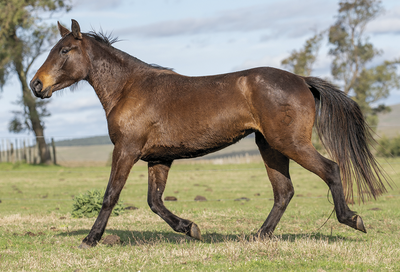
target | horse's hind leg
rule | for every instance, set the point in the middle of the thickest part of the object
(158, 173)
(277, 166)
(309, 158)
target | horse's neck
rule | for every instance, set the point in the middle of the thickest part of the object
(108, 75)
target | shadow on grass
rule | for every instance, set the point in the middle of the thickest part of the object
(151, 237)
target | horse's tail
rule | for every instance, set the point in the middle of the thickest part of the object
(346, 136)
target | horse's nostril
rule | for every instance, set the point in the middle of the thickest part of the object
(36, 85)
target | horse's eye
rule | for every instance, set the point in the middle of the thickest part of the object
(65, 50)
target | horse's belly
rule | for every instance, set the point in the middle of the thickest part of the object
(190, 148)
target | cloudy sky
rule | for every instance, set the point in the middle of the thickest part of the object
(196, 38)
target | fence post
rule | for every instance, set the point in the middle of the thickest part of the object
(24, 158)
(2, 150)
(16, 151)
(8, 150)
(12, 153)
(54, 151)
(36, 154)
(29, 160)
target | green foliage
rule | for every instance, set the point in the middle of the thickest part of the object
(389, 147)
(351, 49)
(301, 62)
(89, 204)
(374, 84)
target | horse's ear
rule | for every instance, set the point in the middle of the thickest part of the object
(63, 31)
(76, 30)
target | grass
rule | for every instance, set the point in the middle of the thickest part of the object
(38, 233)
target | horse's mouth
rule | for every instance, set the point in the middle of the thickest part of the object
(46, 93)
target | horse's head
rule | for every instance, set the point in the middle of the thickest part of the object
(66, 64)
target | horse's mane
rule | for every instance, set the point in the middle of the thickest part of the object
(104, 38)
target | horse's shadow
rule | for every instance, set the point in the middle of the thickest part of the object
(150, 237)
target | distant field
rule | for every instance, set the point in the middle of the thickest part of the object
(98, 155)
(37, 232)
(90, 155)
(389, 123)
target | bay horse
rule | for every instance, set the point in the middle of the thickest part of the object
(157, 115)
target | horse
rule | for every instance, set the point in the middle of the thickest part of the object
(157, 115)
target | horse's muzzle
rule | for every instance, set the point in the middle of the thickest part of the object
(36, 86)
(37, 89)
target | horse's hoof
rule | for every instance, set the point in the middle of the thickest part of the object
(84, 246)
(360, 224)
(195, 232)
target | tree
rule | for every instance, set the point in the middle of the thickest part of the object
(374, 84)
(352, 51)
(301, 62)
(23, 38)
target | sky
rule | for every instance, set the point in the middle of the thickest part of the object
(195, 38)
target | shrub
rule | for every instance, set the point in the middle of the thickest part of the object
(89, 204)
(389, 147)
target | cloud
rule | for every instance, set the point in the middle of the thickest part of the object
(280, 18)
(267, 61)
(388, 23)
(98, 4)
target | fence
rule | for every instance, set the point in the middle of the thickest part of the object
(24, 150)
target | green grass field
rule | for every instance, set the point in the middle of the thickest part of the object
(37, 232)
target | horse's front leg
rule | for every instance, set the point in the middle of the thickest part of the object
(122, 162)
(158, 173)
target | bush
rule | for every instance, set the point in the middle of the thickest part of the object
(389, 147)
(89, 204)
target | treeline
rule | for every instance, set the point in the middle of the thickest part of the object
(96, 140)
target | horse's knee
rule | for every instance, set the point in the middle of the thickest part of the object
(288, 194)
(106, 202)
(109, 201)
(282, 200)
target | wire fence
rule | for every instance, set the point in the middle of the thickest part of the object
(26, 150)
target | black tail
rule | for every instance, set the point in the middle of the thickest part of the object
(346, 136)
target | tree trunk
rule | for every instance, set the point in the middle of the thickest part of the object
(36, 125)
